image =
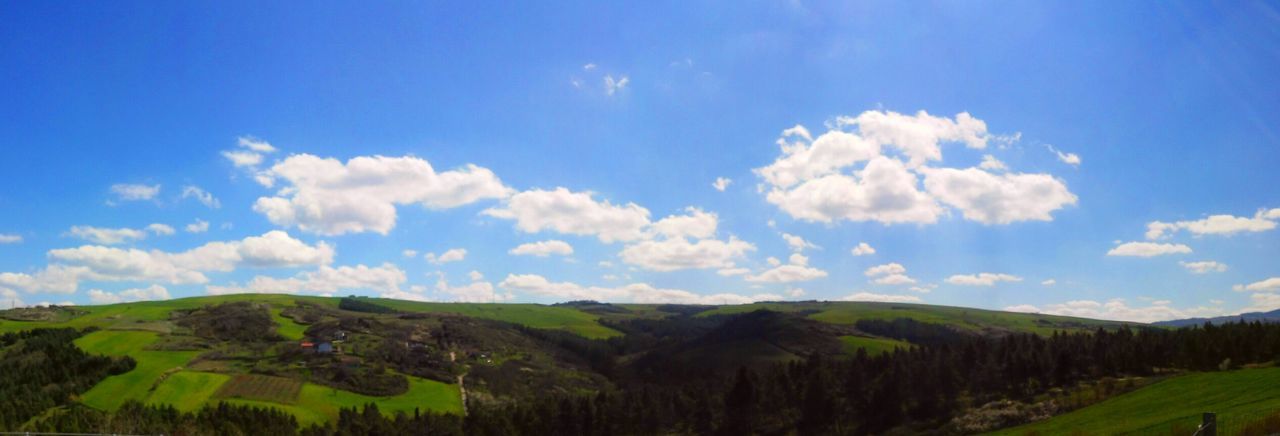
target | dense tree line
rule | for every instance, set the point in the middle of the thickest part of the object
(40, 369)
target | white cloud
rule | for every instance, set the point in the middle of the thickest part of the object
(99, 235)
(1148, 249)
(863, 250)
(923, 289)
(1066, 158)
(273, 249)
(696, 224)
(204, 197)
(990, 162)
(795, 292)
(673, 254)
(810, 182)
(889, 274)
(881, 298)
(1118, 309)
(797, 243)
(326, 196)
(575, 213)
(386, 278)
(589, 66)
(1268, 285)
(884, 191)
(1263, 302)
(478, 291)
(1204, 267)
(635, 292)
(10, 239)
(543, 248)
(200, 226)
(798, 259)
(161, 229)
(982, 279)
(475, 276)
(255, 144)
(886, 269)
(134, 192)
(1049, 282)
(612, 86)
(410, 253)
(451, 255)
(10, 297)
(57, 279)
(1226, 225)
(153, 292)
(1025, 308)
(998, 198)
(251, 153)
(787, 274)
(729, 272)
(721, 183)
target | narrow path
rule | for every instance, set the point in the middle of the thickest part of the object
(453, 357)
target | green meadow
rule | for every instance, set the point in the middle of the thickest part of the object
(136, 384)
(873, 346)
(1238, 397)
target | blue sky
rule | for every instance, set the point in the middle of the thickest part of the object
(1131, 174)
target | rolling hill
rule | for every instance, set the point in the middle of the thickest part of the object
(407, 356)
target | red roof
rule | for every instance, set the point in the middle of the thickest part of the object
(307, 345)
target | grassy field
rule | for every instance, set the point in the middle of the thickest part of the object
(532, 315)
(873, 346)
(317, 404)
(286, 327)
(966, 318)
(187, 390)
(136, 384)
(1236, 396)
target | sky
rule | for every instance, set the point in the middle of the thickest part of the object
(1104, 159)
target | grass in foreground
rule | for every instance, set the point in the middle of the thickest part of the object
(1237, 397)
(187, 390)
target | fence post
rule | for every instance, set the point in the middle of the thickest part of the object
(1208, 424)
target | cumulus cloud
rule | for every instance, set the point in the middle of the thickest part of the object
(1204, 267)
(998, 198)
(325, 280)
(106, 236)
(729, 272)
(575, 213)
(881, 298)
(863, 249)
(1148, 249)
(721, 183)
(636, 292)
(889, 274)
(478, 291)
(1049, 282)
(788, 273)
(990, 162)
(811, 180)
(1268, 285)
(1117, 309)
(200, 226)
(204, 197)
(1066, 158)
(250, 153)
(10, 239)
(673, 254)
(981, 279)
(694, 224)
(274, 249)
(329, 197)
(410, 253)
(797, 243)
(153, 292)
(1225, 225)
(134, 192)
(543, 248)
(161, 229)
(451, 255)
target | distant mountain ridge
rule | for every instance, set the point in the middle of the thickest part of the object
(1272, 316)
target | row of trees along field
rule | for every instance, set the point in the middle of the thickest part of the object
(40, 369)
(909, 389)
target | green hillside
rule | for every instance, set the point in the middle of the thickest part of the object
(970, 319)
(1238, 397)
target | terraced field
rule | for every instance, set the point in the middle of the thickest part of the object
(873, 346)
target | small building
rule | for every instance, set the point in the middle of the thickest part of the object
(324, 348)
(308, 346)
